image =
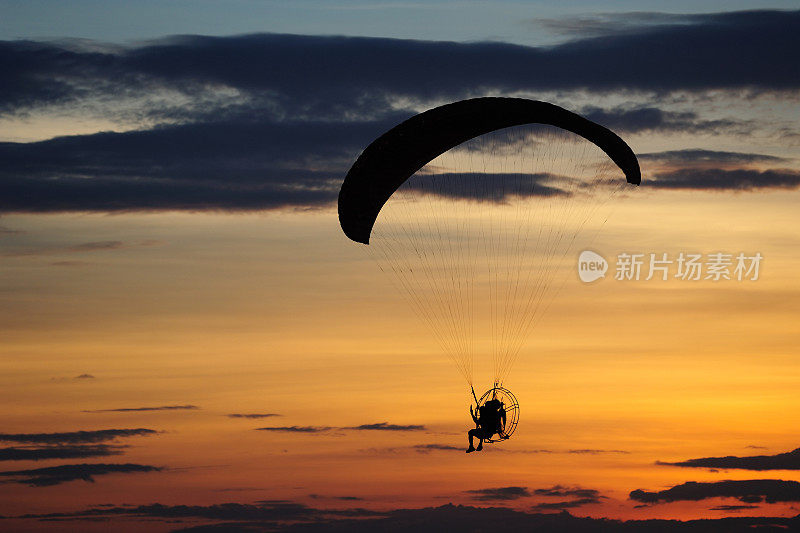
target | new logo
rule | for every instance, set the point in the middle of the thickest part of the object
(591, 266)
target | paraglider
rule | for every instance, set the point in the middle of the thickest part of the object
(471, 206)
(490, 419)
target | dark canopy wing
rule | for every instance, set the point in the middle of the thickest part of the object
(397, 154)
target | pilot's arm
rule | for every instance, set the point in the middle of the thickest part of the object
(472, 414)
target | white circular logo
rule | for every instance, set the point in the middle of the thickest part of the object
(591, 266)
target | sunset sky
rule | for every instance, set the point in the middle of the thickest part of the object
(188, 339)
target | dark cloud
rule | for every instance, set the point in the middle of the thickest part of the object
(252, 415)
(247, 151)
(732, 508)
(295, 518)
(566, 504)
(244, 165)
(232, 166)
(751, 498)
(84, 376)
(578, 497)
(715, 179)
(694, 156)
(342, 498)
(385, 426)
(54, 475)
(747, 491)
(644, 119)
(273, 511)
(329, 74)
(561, 491)
(240, 489)
(136, 409)
(297, 429)
(494, 187)
(75, 437)
(379, 426)
(781, 461)
(202, 167)
(292, 129)
(500, 493)
(32, 453)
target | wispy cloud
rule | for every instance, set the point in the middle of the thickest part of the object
(8, 231)
(55, 475)
(600, 24)
(378, 426)
(296, 429)
(75, 437)
(33, 453)
(655, 119)
(439, 447)
(573, 451)
(136, 409)
(696, 156)
(78, 248)
(385, 426)
(780, 461)
(594, 451)
(427, 448)
(564, 504)
(253, 415)
(732, 508)
(578, 497)
(248, 513)
(741, 180)
(561, 491)
(341, 498)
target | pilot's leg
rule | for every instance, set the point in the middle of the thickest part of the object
(472, 433)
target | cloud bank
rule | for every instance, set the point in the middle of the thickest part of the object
(781, 461)
(268, 121)
(747, 491)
